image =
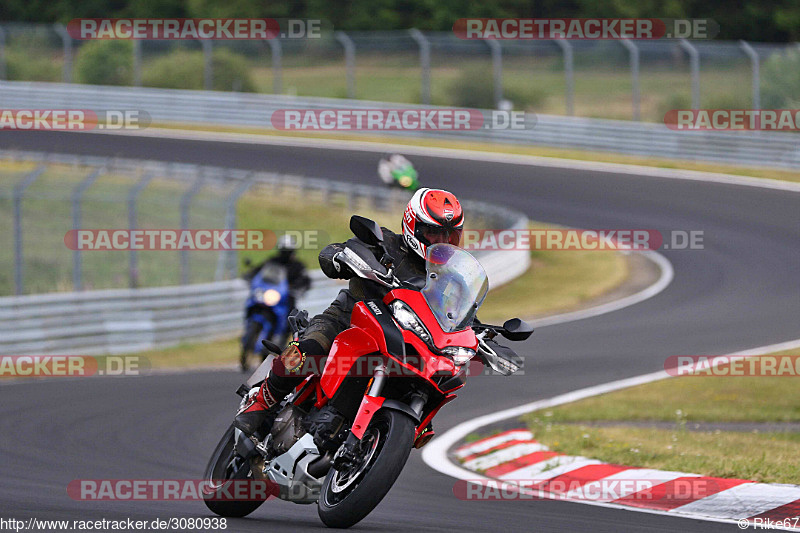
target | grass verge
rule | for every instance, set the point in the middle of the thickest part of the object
(759, 456)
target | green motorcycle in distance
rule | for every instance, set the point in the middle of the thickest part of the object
(397, 171)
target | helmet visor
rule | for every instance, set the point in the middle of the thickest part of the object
(428, 235)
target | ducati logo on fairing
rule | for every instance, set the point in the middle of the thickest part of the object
(375, 308)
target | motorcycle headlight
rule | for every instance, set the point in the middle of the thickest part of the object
(409, 320)
(271, 297)
(461, 355)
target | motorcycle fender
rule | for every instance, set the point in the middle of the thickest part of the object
(369, 406)
(348, 346)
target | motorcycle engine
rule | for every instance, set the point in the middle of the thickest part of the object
(329, 428)
(287, 428)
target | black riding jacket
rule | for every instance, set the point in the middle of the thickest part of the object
(324, 327)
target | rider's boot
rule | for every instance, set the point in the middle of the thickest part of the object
(258, 411)
(260, 407)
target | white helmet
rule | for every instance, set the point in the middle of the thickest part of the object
(432, 216)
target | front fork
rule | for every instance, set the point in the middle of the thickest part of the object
(370, 404)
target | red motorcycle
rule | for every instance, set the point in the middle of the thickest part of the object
(342, 437)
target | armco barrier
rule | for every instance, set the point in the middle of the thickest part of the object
(127, 320)
(768, 149)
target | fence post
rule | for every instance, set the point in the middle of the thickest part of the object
(497, 70)
(77, 197)
(137, 63)
(349, 60)
(424, 64)
(208, 67)
(3, 69)
(186, 201)
(275, 48)
(694, 62)
(566, 48)
(230, 258)
(19, 191)
(133, 197)
(633, 52)
(67, 43)
(754, 61)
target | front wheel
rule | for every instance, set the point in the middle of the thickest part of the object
(225, 464)
(350, 494)
(248, 343)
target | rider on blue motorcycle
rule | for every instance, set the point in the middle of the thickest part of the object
(295, 270)
(274, 287)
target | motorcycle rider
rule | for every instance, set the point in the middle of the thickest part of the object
(397, 171)
(431, 216)
(296, 273)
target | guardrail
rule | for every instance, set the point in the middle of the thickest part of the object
(767, 149)
(126, 320)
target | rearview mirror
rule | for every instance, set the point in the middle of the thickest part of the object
(367, 231)
(515, 329)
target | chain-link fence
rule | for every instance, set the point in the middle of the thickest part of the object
(44, 197)
(619, 79)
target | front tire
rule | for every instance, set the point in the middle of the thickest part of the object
(223, 465)
(347, 496)
(248, 343)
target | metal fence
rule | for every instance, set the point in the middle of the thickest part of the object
(764, 149)
(616, 79)
(126, 320)
(45, 195)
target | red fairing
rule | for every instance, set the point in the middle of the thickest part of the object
(447, 399)
(441, 339)
(348, 346)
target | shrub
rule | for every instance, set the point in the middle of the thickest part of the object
(780, 81)
(475, 88)
(107, 62)
(183, 69)
(21, 65)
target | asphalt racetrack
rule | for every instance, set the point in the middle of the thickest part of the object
(741, 291)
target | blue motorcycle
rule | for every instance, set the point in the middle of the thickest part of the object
(266, 311)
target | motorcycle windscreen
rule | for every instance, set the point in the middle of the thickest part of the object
(455, 286)
(272, 273)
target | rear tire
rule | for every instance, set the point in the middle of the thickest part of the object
(342, 504)
(218, 469)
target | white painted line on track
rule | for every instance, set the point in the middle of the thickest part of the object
(435, 453)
